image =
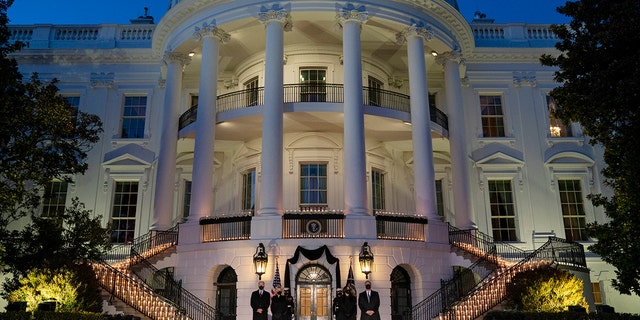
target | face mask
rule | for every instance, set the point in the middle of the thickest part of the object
(367, 287)
(260, 287)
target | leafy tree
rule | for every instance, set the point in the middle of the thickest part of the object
(545, 290)
(64, 241)
(62, 286)
(41, 137)
(598, 69)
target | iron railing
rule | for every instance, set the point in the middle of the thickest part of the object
(330, 93)
(493, 255)
(225, 228)
(134, 293)
(313, 224)
(165, 285)
(400, 227)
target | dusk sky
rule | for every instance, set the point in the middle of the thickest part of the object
(120, 11)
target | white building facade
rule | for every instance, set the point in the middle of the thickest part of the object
(313, 127)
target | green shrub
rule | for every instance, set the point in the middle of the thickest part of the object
(516, 315)
(545, 290)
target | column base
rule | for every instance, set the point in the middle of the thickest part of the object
(437, 232)
(360, 226)
(266, 226)
(190, 232)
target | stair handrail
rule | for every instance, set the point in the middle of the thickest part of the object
(172, 290)
(113, 276)
(152, 243)
(573, 257)
(533, 256)
(485, 242)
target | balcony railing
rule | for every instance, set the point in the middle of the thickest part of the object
(394, 226)
(330, 93)
(313, 224)
(225, 228)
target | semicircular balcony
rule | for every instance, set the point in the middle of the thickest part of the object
(305, 98)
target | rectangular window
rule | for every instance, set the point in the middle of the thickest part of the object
(492, 116)
(375, 87)
(249, 191)
(597, 293)
(186, 200)
(314, 85)
(557, 127)
(133, 117)
(251, 87)
(74, 103)
(123, 216)
(313, 185)
(572, 210)
(54, 198)
(377, 190)
(439, 198)
(194, 101)
(503, 213)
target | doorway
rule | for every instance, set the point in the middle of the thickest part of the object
(313, 285)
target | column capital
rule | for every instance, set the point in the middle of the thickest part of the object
(211, 30)
(454, 55)
(276, 14)
(182, 59)
(351, 13)
(416, 29)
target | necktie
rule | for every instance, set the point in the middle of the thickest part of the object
(368, 296)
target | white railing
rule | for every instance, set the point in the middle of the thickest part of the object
(83, 36)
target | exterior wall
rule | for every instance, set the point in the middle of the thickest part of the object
(103, 72)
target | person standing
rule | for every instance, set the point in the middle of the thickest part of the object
(279, 306)
(291, 306)
(369, 303)
(335, 306)
(260, 300)
(347, 305)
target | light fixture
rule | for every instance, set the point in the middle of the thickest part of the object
(366, 259)
(434, 53)
(260, 259)
(191, 54)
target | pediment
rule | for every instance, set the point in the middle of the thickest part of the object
(130, 155)
(499, 159)
(569, 158)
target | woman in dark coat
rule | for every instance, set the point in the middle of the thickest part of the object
(347, 305)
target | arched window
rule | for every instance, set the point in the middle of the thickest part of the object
(400, 293)
(226, 294)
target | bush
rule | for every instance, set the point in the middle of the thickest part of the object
(515, 315)
(545, 290)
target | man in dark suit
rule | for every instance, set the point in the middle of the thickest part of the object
(369, 303)
(260, 300)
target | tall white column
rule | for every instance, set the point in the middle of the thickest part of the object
(424, 174)
(457, 140)
(276, 21)
(355, 168)
(165, 176)
(202, 195)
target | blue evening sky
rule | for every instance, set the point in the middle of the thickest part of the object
(120, 11)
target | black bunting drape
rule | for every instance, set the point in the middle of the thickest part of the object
(314, 254)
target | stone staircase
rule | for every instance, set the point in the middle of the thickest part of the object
(496, 263)
(128, 276)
